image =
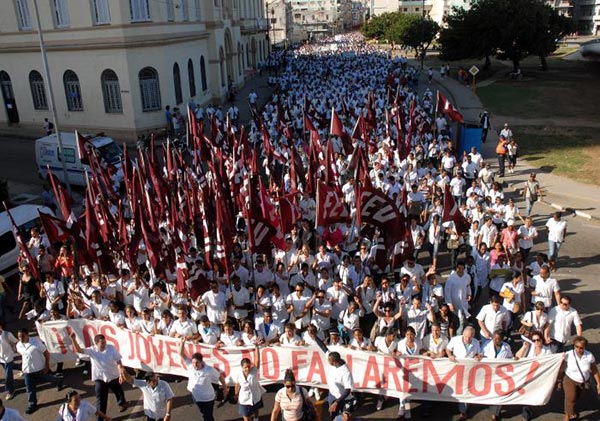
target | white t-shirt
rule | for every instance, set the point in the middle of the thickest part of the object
(586, 362)
(85, 412)
(250, 389)
(561, 322)
(155, 399)
(492, 319)
(32, 354)
(339, 379)
(104, 363)
(7, 343)
(556, 230)
(461, 350)
(200, 382)
(545, 290)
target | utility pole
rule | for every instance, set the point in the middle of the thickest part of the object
(51, 102)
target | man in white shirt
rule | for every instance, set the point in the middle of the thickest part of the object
(107, 370)
(35, 364)
(492, 317)
(496, 348)
(158, 396)
(560, 320)
(339, 382)
(487, 233)
(7, 356)
(239, 301)
(457, 292)
(269, 330)
(557, 233)
(544, 287)
(464, 346)
(216, 304)
(200, 380)
(527, 233)
(476, 158)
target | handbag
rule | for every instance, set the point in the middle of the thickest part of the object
(308, 411)
(586, 383)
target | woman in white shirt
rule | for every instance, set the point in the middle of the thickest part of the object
(76, 409)
(248, 390)
(535, 319)
(576, 372)
(533, 348)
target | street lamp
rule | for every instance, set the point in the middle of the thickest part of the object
(51, 102)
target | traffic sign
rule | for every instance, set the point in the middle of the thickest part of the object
(474, 70)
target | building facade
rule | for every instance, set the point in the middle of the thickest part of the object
(116, 64)
(587, 16)
(280, 21)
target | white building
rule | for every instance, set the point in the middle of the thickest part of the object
(436, 9)
(116, 64)
(587, 16)
(280, 21)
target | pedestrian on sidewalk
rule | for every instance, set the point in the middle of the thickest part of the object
(430, 75)
(557, 233)
(531, 193)
(484, 120)
(7, 356)
(48, 127)
(502, 152)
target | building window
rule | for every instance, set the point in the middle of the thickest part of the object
(170, 10)
(111, 91)
(185, 10)
(203, 74)
(177, 84)
(61, 13)
(38, 91)
(139, 10)
(23, 14)
(198, 9)
(149, 89)
(191, 78)
(72, 91)
(101, 12)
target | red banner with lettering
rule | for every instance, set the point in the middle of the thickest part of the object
(488, 382)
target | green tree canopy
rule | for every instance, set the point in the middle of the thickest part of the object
(507, 29)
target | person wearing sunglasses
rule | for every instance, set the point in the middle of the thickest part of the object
(560, 320)
(577, 369)
(533, 348)
(290, 400)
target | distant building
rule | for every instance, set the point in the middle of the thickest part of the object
(436, 9)
(280, 21)
(116, 64)
(587, 16)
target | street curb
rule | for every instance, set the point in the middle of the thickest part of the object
(575, 211)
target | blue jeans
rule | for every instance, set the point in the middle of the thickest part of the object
(528, 206)
(553, 249)
(31, 382)
(9, 384)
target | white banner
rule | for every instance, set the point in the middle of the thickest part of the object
(488, 382)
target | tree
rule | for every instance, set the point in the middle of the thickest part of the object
(376, 27)
(507, 29)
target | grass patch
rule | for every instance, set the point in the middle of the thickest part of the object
(570, 151)
(569, 89)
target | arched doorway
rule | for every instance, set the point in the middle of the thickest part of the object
(229, 57)
(253, 53)
(9, 97)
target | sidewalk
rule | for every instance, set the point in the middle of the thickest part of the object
(559, 192)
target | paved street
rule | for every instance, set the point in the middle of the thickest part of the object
(579, 266)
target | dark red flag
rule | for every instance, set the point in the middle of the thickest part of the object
(452, 213)
(445, 107)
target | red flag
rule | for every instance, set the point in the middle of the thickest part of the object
(84, 146)
(269, 214)
(445, 107)
(330, 206)
(65, 202)
(56, 229)
(331, 171)
(337, 129)
(289, 211)
(377, 209)
(31, 262)
(452, 213)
